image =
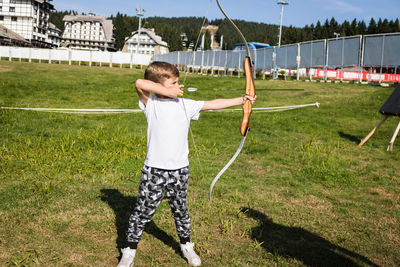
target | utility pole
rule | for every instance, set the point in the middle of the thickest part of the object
(139, 13)
(282, 3)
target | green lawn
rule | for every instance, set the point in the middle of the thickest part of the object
(301, 193)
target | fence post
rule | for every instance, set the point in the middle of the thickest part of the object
(213, 62)
(298, 58)
(326, 59)
(111, 59)
(9, 53)
(239, 65)
(202, 62)
(361, 58)
(226, 62)
(50, 56)
(30, 54)
(254, 65)
(131, 63)
(311, 59)
(90, 58)
(178, 60)
(382, 54)
(193, 61)
(275, 67)
(69, 56)
(285, 75)
(341, 71)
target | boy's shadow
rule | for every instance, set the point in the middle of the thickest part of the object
(350, 137)
(300, 244)
(123, 206)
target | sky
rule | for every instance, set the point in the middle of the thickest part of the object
(298, 13)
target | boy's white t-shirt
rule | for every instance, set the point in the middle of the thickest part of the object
(168, 122)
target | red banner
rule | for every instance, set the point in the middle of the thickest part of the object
(354, 75)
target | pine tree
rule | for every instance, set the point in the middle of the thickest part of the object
(385, 28)
(361, 27)
(372, 28)
(353, 28)
(396, 26)
(346, 29)
(318, 32)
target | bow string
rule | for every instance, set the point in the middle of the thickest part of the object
(247, 106)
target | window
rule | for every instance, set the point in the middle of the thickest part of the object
(13, 1)
(12, 9)
(1, 17)
(1, 9)
(13, 18)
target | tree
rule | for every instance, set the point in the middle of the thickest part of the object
(396, 26)
(346, 29)
(361, 27)
(353, 28)
(57, 17)
(383, 26)
(318, 32)
(372, 27)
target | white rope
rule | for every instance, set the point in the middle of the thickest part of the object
(75, 110)
(269, 109)
(118, 111)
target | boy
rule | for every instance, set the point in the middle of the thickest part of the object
(166, 167)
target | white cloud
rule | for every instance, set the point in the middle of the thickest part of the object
(343, 7)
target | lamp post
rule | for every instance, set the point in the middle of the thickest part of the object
(337, 35)
(139, 13)
(282, 3)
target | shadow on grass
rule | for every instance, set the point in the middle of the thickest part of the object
(300, 244)
(123, 206)
(350, 137)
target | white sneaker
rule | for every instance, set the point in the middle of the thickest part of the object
(128, 255)
(190, 255)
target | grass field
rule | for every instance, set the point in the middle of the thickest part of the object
(301, 193)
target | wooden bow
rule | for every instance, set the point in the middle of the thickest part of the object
(250, 91)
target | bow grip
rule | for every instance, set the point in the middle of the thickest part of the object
(250, 91)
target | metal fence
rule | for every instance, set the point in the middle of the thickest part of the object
(333, 56)
(368, 57)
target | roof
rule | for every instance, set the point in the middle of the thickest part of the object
(157, 39)
(54, 27)
(9, 34)
(45, 2)
(106, 23)
(252, 45)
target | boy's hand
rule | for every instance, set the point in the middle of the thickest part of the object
(173, 88)
(247, 97)
(175, 91)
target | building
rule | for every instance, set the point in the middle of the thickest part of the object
(54, 35)
(88, 32)
(149, 43)
(252, 45)
(9, 37)
(212, 29)
(27, 18)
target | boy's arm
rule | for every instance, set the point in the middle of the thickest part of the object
(145, 87)
(226, 103)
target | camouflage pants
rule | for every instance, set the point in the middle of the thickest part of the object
(152, 186)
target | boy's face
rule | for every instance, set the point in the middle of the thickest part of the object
(171, 82)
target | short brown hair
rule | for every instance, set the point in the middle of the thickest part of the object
(158, 71)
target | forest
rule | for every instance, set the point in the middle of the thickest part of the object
(171, 29)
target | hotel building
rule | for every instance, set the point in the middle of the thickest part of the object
(88, 32)
(148, 41)
(27, 18)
